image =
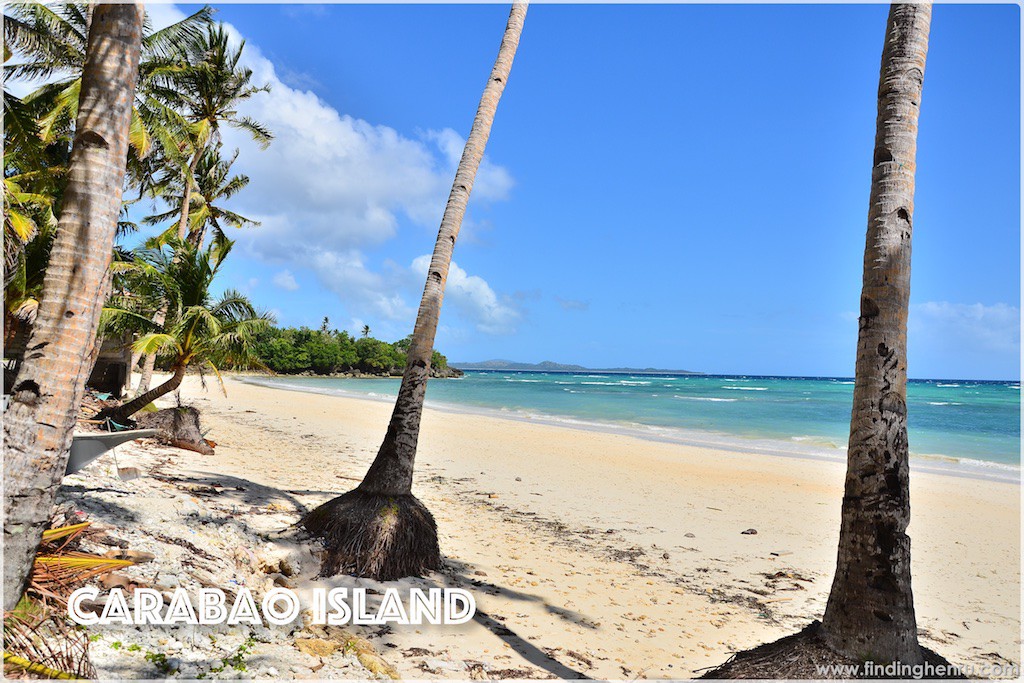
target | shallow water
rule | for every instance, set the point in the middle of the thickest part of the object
(971, 422)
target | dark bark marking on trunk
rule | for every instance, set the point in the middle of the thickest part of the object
(91, 138)
(868, 308)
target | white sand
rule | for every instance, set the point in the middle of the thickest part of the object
(595, 553)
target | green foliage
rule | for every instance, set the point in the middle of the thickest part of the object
(293, 351)
(198, 329)
(159, 660)
(190, 82)
(236, 661)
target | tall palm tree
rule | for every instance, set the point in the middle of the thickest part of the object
(198, 331)
(213, 184)
(51, 41)
(208, 92)
(49, 385)
(380, 529)
(870, 612)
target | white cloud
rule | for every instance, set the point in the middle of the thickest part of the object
(285, 280)
(492, 182)
(331, 186)
(968, 327)
(346, 274)
(473, 298)
(339, 182)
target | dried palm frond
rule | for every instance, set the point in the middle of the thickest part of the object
(56, 576)
(64, 531)
(57, 571)
(42, 643)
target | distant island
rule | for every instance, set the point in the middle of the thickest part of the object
(550, 366)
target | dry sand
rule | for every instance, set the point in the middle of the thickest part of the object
(588, 553)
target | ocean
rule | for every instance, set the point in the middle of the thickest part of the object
(973, 426)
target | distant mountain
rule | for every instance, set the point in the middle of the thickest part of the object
(550, 366)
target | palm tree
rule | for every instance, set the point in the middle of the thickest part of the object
(198, 331)
(213, 183)
(52, 42)
(366, 331)
(24, 288)
(208, 92)
(49, 385)
(380, 529)
(24, 211)
(870, 611)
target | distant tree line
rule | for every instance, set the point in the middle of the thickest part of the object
(300, 350)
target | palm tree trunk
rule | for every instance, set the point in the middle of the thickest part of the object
(48, 389)
(870, 611)
(133, 361)
(187, 199)
(391, 472)
(379, 529)
(126, 410)
(149, 364)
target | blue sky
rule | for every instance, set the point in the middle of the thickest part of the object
(669, 186)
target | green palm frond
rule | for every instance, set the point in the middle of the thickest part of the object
(173, 39)
(155, 342)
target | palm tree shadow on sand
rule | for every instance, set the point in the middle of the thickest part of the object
(456, 572)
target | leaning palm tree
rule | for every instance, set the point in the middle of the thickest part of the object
(380, 529)
(49, 384)
(198, 331)
(870, 611)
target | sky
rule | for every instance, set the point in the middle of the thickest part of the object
(680, 186)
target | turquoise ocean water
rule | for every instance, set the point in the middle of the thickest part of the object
(962, 424)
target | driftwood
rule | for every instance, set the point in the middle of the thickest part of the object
(178, 427)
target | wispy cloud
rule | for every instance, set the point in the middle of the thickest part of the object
(968, 327)
(285, 280)
(474, 298)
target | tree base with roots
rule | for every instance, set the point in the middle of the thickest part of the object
(806, 655)
(376, 536)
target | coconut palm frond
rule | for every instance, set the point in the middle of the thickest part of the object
(42, 643)
(154, 343)
(173, 39)
(67, 532)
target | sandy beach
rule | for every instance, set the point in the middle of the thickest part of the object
(588, 553)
